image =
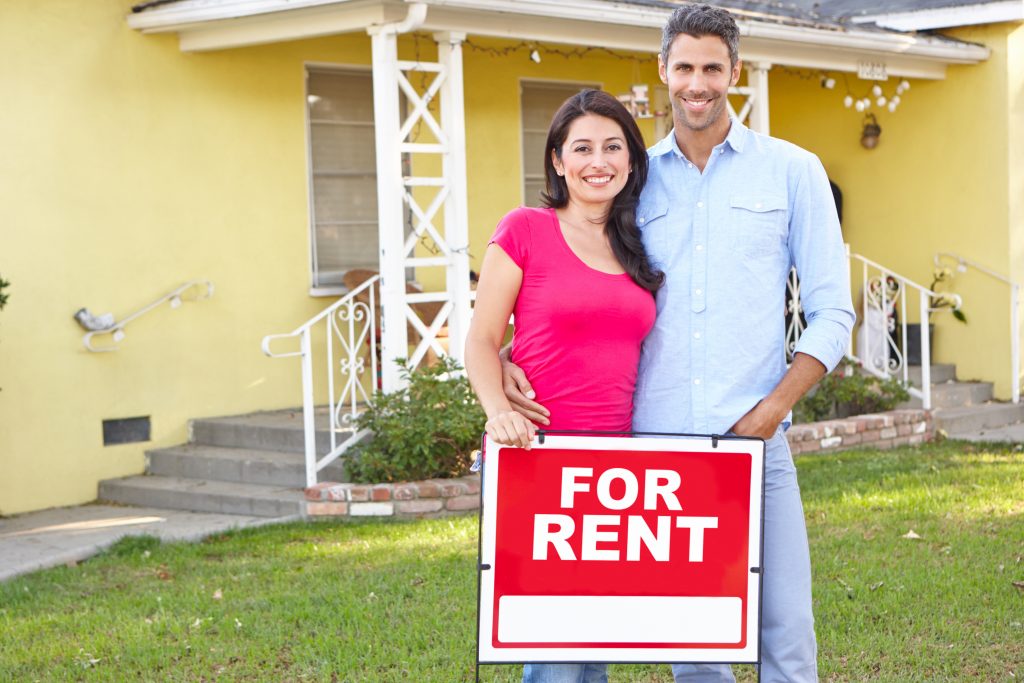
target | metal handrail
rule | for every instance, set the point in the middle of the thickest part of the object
(962, 264)
(359, 320)
(265, 344)
(175, 299)
(885, 358)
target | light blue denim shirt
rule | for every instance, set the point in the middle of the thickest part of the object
(725, 239)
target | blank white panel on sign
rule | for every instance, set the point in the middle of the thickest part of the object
(638, 619)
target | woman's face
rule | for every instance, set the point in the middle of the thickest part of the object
(595, 160)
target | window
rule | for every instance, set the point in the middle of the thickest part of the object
(343, 173)
(539, 101)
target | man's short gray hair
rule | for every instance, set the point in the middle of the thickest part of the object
(699, 21)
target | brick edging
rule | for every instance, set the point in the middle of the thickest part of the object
(907, 426)
(409, 500)
(440, 497)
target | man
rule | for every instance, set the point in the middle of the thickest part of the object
(725, 213)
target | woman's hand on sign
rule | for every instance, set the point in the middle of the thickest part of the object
(509, 428)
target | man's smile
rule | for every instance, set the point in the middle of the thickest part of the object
(698, 104)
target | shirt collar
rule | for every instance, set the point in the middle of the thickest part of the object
(737, 136)
(736, 139)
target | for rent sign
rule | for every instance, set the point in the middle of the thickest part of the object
(621, 549)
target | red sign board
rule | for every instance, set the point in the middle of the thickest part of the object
(621, 549)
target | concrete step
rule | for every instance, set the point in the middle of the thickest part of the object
(941, 372)
(955, 394)
(279, 430)
(242, 465)
(975, 418)
(179, 493)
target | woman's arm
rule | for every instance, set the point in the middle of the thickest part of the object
(500, 280)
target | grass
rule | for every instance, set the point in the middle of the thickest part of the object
(384, 601)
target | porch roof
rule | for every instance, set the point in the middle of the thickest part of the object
(794, 33)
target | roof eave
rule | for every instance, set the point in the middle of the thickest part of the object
(947, 17)
(207, 25)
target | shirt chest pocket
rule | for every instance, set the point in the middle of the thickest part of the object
(758, 223)
(653, 225)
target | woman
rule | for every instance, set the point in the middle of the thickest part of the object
(576, 276)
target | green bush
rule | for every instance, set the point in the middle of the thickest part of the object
(4, 284)
(843, 393)
(426, 430)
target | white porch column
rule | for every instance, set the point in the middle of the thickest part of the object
(390, 191)
(757, 78)
(456, 212)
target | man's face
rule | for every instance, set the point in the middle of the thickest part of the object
(698, 75)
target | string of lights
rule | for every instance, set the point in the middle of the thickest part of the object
(869, 96)
(537, 51)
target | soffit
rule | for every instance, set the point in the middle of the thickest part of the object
(634, 25)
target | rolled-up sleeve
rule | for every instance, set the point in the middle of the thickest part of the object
(817, 250)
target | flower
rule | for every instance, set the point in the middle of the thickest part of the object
(940, 300)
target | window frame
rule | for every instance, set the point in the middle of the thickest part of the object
(315, 289)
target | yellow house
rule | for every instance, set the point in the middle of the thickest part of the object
(220, 167)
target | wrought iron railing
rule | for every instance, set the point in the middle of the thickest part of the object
(884, 339)
(795, 322)
(962, 265)
(350, 324)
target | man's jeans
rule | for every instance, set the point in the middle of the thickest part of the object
(788, 648)
(565, 673)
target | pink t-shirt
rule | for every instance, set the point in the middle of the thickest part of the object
(578, 330)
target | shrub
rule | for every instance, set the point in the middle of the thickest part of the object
(847, 391)
(426, 430)
(4, 284)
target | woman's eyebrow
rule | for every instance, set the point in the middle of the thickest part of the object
(614, 137)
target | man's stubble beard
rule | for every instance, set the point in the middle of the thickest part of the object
(713, 116)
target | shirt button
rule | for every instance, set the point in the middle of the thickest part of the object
(696, 335)
(696, 380)
(757, 206)
(698, 292)
(699, 247)
(640, 221)
(721, 151)
(689, 165)
(700, 205)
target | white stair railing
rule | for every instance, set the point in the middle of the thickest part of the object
(882, 339)
(351, 324)
(105, 324)
(962, 265)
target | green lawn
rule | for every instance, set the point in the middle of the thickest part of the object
(396, 601)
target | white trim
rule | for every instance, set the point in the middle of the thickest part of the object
(207, 25)
(757, 78)
(456, 207)
(315, 22)
(947, 17)
(333, 292)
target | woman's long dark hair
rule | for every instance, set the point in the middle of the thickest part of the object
(623, 235)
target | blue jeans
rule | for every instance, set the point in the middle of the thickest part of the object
(565, 673)
(789, 652)
(788, 648)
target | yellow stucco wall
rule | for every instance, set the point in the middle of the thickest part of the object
(129, 168)
(936, 182)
